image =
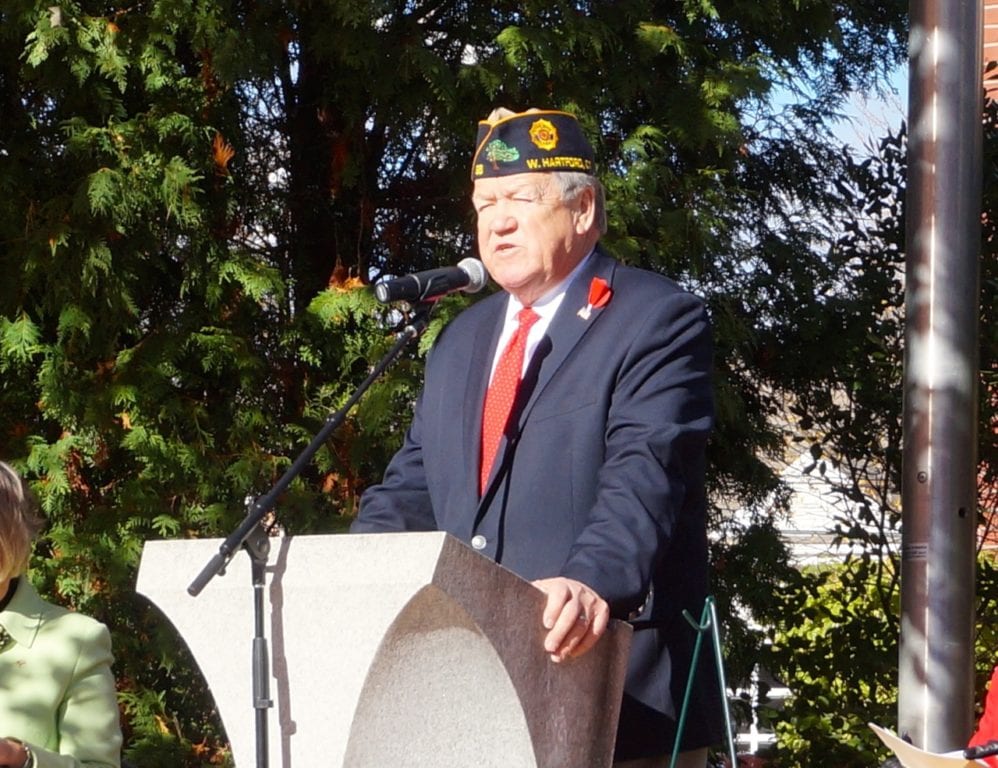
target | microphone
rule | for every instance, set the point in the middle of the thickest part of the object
(981, 750)
(468, 276)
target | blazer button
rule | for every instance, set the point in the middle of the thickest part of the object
(478, 541)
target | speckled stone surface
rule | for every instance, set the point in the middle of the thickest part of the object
(390, 650)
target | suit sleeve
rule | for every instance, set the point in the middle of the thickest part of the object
(88, 725)
(660, 416)
(401, 502)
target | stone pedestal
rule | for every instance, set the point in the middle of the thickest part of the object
(401, 650)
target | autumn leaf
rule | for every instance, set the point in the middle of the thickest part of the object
(222, 153)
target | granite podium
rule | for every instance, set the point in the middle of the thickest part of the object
(402, 650)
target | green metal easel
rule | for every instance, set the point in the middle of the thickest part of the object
(708, 623)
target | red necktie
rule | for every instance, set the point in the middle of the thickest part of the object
(502, 392)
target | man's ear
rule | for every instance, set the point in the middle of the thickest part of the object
(584, 213)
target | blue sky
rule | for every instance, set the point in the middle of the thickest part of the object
(869, 116)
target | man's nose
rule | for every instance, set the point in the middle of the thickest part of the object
(502, 222)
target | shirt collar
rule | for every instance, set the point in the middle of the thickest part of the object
(548, 304)
(23, 614)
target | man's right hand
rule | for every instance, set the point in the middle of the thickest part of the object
(575, 617)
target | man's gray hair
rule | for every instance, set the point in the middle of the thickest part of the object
(572, 183)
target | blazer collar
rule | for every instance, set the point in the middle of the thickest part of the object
(568, 327)
(24, 613)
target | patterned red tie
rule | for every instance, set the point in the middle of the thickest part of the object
(502, 392)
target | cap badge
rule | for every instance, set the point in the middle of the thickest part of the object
(544, 134)
(498, 151)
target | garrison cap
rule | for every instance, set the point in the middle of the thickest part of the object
(535, 141)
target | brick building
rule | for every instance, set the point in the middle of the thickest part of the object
(991, 47)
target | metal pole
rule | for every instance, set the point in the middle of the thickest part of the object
(935, 686)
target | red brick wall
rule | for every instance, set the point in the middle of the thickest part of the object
(991, 46)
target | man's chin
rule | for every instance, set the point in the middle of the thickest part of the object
(524, 290)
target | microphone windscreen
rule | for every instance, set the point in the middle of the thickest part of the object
(478, 276)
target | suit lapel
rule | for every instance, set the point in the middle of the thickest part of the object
(23, 614)
(567, 327)
(565, 332)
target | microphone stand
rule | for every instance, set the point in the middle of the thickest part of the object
(253, 537)
(981, 750)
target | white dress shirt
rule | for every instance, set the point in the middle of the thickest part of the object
(545, 307)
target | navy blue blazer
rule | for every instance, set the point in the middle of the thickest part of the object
(599, 478)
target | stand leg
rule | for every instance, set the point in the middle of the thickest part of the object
(257, 544)
(708, 623)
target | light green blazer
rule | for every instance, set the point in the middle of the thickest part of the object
(56, 687)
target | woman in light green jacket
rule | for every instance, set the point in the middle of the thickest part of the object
(57, 699)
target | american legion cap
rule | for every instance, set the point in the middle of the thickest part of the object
(531, 142)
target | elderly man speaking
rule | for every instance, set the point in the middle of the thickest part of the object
(562, 426)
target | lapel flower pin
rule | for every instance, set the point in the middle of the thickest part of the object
(599, 296)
